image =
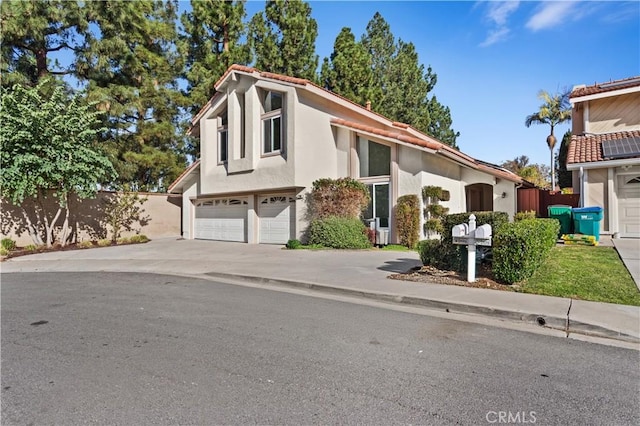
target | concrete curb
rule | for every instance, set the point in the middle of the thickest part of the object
(553, 322)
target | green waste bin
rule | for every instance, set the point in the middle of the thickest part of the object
(563, 214)
(586, 220)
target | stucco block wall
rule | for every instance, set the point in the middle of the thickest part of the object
(161, 213)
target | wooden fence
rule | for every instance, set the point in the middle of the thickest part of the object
(539, 200)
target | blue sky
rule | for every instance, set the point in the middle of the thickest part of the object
(493, 57)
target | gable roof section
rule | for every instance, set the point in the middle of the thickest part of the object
(192, 169)
(405, 133)
(432, 145)
(604, 88)
(588, 148)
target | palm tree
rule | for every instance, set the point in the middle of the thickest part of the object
(556, 109)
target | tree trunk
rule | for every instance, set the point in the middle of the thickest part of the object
(31, 229)
(64, 234)
(41, 62)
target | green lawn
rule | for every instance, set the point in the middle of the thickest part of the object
(584, 272)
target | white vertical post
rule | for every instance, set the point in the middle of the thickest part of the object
(471, 250)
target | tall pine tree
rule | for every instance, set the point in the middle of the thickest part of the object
(283, 39)
(212, 41)
(132, 66)
(348, 71)
(35, 30)
(401, 84)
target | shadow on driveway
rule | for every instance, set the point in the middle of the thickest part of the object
(400, 265)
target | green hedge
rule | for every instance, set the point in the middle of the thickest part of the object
(339, 233)
(408, 220)
(454, 256)
(430, 252)
(521, 247)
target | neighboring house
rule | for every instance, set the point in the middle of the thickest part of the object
(604, 153)
(265, 138)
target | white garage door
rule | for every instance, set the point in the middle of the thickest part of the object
(223, 219)
(629, 206)
(277, 218)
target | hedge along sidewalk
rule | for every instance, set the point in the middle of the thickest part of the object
(584, 272)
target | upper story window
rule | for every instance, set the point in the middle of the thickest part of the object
(271, 122)
(375, 158)
(223, 138)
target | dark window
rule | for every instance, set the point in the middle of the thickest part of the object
(375, 158)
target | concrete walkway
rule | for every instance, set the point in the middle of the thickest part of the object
(629, 251)
(353, 273)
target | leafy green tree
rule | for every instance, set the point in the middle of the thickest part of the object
(48, 147)
(211, 42)
(283, 39)
(34, 29)
(131, 66)
(347, 71)
(554, 110)
(516, 164)
(565, 179)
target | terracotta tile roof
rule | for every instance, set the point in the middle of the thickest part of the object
(606, 87)
(588, 148)
(430, 144)
(183, 175)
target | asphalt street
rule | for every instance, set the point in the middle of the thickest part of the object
(116, 348)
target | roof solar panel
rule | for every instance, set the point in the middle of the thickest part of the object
(621, 148)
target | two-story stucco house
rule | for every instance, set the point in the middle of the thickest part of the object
(604, 153)
(265, 138)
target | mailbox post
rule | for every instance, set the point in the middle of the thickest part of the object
(468, 235)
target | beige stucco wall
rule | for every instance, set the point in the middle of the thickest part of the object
(597, 194)
(161, 213)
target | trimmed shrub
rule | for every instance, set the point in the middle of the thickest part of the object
(104, 242)
(123, 240)
(344, 197)
(4, 251)
(530, 214)
(371, 235)
(430, 252)
(31, 247)
(339, 233)
(293, 244)
(8, 244)
(454, 256)
(140, 238)
(521, 247)
(408, 220)
(84, 244)
(436, 210)
(433, 225)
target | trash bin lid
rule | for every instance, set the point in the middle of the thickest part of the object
(559, 209)
(594, 209)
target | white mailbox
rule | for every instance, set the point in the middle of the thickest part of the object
(460, 230)
(483, 232)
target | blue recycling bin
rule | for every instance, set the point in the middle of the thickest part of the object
(586, 220)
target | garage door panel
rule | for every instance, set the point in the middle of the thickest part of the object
(629, 206)
(277, 218)
(220, 221)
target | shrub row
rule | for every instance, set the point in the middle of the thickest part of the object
(519, 248)
(339, 233)
(408, 220)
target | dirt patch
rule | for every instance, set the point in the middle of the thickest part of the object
(429, 274)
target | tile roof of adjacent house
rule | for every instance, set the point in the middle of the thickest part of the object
(588, 148)
(609, 86)
(408, 135)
